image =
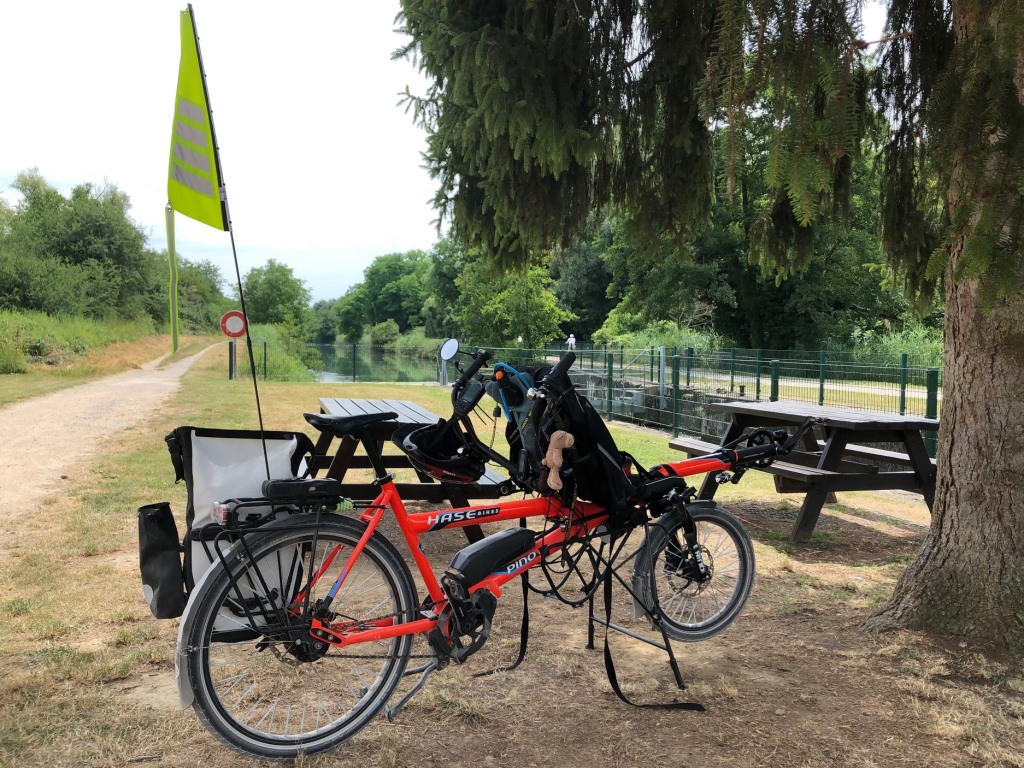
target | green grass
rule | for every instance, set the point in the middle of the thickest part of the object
(42, 337)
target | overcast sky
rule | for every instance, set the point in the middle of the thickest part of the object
(323, 168)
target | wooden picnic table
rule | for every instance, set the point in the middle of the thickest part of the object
(347, 454)
(820, 467)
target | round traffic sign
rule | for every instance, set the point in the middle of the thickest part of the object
(233, 324)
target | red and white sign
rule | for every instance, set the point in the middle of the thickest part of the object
(233, 324)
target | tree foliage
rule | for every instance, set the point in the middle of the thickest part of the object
(538, 114)
(395, 285)
(501, 305)
(77, 255)
(201, 301)
(273, 294)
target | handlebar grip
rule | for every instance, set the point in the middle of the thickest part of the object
(744, 455)
(480, 357)
(560, 367)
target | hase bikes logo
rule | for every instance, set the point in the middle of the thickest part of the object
(444, 519)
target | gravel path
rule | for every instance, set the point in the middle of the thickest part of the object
(42, 438)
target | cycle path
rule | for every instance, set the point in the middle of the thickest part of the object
(43, 438)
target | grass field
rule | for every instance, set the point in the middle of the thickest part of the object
(86, 674)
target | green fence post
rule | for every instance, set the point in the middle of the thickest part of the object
(264, 361)
(931, 408)
(775, 381)
(622, 357)
(757, 375)
(231, 361)
(652, 365)
(688, 352)
(608, 395)
(904, 359)
(353, 363)
(675, 395)
(732, 370)
(821, 377)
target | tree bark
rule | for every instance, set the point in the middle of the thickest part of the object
(968, 578)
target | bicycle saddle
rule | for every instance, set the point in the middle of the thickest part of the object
(346, 425)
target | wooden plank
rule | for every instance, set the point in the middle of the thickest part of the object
(878, 454)
(409, 412)
(790, 411)
(692, 445)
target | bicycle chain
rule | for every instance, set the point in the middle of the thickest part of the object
(339, 656)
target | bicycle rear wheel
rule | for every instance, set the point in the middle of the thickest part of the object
(693, 609)
(261, 683)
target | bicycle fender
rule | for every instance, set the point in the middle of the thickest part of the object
(185, 694)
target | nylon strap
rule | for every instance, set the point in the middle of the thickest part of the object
(524, 633)
(609, 666)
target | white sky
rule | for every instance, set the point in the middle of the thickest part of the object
(323, 168)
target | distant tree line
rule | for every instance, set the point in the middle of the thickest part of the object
(82, 255)
(605, 288)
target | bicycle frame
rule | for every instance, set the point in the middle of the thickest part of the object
(579, 522)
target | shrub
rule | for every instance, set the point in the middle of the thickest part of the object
(11, 359)
(416, 343)
(274, 359)
(384, 334)
(36, 335)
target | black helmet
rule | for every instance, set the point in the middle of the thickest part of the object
(441, 451)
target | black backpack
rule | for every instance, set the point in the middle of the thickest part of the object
(595, 465)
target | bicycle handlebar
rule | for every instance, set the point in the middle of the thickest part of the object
(480, 357)
(561, 367)
(773, 450)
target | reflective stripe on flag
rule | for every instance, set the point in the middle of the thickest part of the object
(194, 183)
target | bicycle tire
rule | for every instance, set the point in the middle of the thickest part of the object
(687, 609)
(266, 696)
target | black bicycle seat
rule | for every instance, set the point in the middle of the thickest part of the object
(340, 426)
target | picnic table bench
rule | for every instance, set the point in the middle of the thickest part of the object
(347, 455)
(819, 468)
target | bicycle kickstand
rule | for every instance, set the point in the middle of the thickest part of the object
(424, 672)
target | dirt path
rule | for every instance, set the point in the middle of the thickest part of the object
(43, 438)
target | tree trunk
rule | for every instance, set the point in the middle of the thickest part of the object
(968, 578)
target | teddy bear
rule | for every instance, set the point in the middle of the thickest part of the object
(553, 459)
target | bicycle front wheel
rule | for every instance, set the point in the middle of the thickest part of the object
(261, 683)
(692, 607)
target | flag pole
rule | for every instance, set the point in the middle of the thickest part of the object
(172, 266)
(234, 252)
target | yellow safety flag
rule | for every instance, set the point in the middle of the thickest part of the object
(195, 185)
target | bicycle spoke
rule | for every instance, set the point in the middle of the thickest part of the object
(279, 689)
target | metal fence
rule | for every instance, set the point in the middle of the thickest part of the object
(659, 387)
(677, 392)
(334, 363)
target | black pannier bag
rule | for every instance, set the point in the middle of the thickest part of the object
(163, 582)
(217, 465)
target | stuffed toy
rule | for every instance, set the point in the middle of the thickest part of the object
(553, 459)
